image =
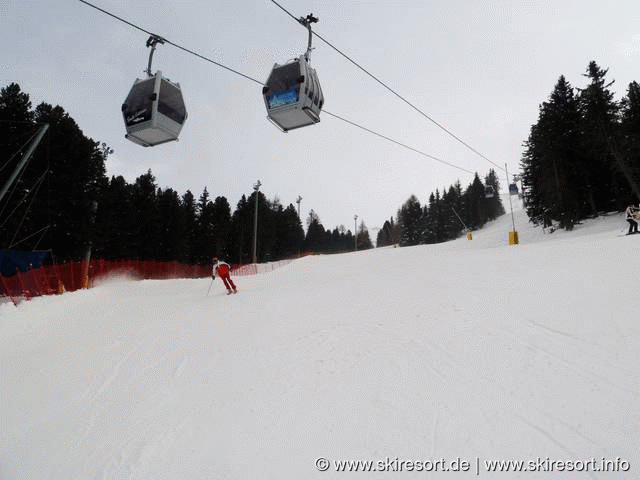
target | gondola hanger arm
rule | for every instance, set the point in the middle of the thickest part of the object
(306, 22)
(152, 41)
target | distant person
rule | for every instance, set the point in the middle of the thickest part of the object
(222, 270)
(632, 217)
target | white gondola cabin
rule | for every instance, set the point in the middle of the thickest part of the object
(154, 111)
(292, 95)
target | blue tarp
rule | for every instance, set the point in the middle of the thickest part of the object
(12, 260)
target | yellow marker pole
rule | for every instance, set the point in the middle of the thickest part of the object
(513, 234)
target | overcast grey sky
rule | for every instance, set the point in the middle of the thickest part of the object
(480, 68)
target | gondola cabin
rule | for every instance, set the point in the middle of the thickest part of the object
(292, 95)
(513, 189)
(154, 111)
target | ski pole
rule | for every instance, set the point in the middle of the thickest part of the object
(210, 285)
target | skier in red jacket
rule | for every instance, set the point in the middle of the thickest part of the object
(222, 269)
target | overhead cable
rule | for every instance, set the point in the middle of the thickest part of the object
(262, 83)
(439, 125)
(171, 43)
(398, 143)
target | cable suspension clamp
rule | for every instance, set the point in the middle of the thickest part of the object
(152, 42)
(306, 22)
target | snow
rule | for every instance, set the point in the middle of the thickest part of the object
(466, 351)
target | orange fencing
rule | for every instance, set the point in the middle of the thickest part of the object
(71, 276)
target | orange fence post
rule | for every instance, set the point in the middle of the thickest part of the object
(71, 285)
(84, 274)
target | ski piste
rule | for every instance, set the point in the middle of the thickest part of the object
(560, 370)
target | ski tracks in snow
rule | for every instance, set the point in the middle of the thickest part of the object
(184, 364)
(575, 366)
(114, 374)
(147, 377)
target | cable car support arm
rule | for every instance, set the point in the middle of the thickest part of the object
(152, 42)
(306, 22)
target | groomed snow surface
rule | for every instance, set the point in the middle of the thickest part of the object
(449, 356)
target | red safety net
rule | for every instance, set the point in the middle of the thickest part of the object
(71, 276)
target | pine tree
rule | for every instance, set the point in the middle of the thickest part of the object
(334, 240)
(450, 201)
(16, 127)
(598, 125)
(554, 178)
(51, 205)
(409, 218)
(146, 238)
(348, 240)
(241, 235)
(73, 171)
(475, 203)
(429, 226)
(315, 240)
(267, 227)
(363, 240)
(189, 213)
(289, 233)
(115, 221)
(220, 226)
(205, 228)
(396, 232)
(385, 234)
(15, 109)
(457, 207)
(579, 157)
(628, 155)
(173, 239)
(494, 203)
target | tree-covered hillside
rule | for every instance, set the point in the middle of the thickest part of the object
(582, 156)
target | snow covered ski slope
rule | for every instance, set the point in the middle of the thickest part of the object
(406, 361)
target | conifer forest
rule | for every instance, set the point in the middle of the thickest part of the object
(581, 159)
